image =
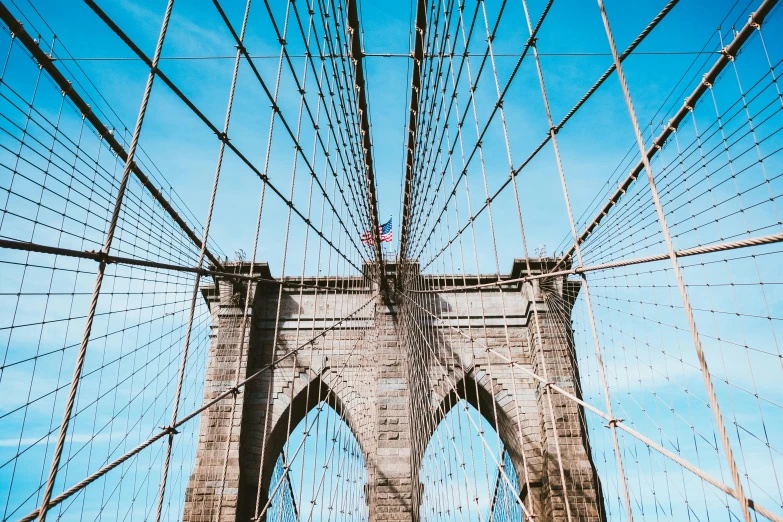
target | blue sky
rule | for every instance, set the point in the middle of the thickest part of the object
(650, 362)
(592, 144)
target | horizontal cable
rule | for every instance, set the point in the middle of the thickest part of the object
(224, 137)
(364, 55)
(109, 259)
(727, 55)
(619, 423)
(195, 413)
(65, 86)
(706, 249)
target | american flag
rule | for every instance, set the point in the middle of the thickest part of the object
(385, 232)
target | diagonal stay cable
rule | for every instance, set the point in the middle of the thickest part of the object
(355, 181)
(358, 102)
(223, 137)
(727, 55)
(465, 112)
(300, 88)
(416, 160)
(307, 107)
(477, 145)
(47, 63)
(426, 115)
(647, 30)
(618, 422)
(364, 129)
(190, 416)
(331, 55)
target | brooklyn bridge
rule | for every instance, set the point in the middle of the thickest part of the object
(571, 313)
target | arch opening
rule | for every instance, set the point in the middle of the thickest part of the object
(466, 473)
(321, 473)
(501, 421)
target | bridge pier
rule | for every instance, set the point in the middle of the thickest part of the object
(389, 384)
(391, 495)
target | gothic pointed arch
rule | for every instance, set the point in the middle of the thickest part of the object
(299, 391)
(472, 387)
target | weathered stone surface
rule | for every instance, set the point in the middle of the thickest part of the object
(362, 368)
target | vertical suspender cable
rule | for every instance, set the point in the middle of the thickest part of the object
(713, 399)
(129, 163)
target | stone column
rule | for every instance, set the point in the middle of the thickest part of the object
(220, 429)
(557, 351)
(391, 494)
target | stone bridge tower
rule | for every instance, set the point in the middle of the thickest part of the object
(363, 367)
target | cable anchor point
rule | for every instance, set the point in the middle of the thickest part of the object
(170, 430)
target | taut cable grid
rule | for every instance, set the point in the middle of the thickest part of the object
(631, 373)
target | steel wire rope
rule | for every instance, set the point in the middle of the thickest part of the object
(667, 190)
(428, 111)
(756, 19)
(300, 88)
(58, 388)
(416, 182)
(560, 328)
(321, 96)
(306, 231)
(328, 43)
(459, 131)
(693, 429)
(43, 61)
(620, 424)
(411, 181)
(584, 214)
(684, 294)
(54, 57)
(330, 256)
(579, 104)
(472, 86)
(490, 38)
(109, 236)
(423, 336)
(267, 409)
(465, 395)
(499, 103)
(363, 134)
(40, 487)
(186, 418)
(677, 357)
(444, 415)
(16, 307)
(598, 352)
(451, 438)
(462, 368)
(223, 138)
(458, 314)
(288, 430)
(315, 307)
(449, 472)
